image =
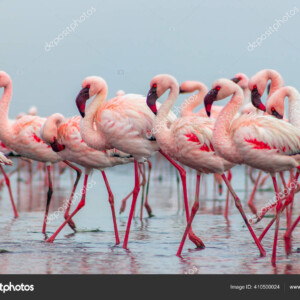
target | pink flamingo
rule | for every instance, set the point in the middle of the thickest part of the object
(63, 135)
(23, 137)
(124, 123)
(262, 142)
(275, 107)
(189, 141)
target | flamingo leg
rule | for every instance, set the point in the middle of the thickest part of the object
(147, 206)
(134, 198)
(189, 224)
(142, 171)
(278, 211)
(49, 196)
(229, 176)
(250, 202)
(123, 204)
(78, 172)
(197, 192)
(112, 206)
(240, 208)
(197, 241)
(287, 236)
(7, 181)
(79, 206)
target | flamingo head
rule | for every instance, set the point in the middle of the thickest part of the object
(56, 146)
(4, 79)
(158, 86)
(91, 86)
(275, 104)
(221, 89)
(191, 86)
(241, 79)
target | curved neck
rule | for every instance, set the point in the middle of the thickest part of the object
(161, 131)
(5, 126)
(194, 101)
(49, 130)
(294, 104)
(276, 81)
(222, 140)
(93, 136)
(246, 92)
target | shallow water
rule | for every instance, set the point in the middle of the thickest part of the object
(153, 242)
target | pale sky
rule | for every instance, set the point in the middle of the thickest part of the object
(128, 42)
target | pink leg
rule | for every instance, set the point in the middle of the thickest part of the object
(278, 211)
(80, 205)
(189, 224)
(197, 186)
(240, 208)
(49, 196)
(134, 198)
(112, 206)
(229, 176)
(287, 236)
(123, 204)
(78, 172)
(142, 171)
(197, 241)
(250, 202)
(147, 206)
(263, 181)
(7, 181)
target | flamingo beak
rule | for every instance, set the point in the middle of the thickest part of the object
(256, 100)
(151, 99)
(56, 146)
(81, 99)
(235, 80)
(209, 99)
(181, 91)
(276, 114)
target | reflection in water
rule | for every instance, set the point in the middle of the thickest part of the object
(152, 243)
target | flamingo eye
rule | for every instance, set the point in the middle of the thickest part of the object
(154, 85)
(88, 86)
(255, 86)
(218, 88)
(240, 78)
(272, 109)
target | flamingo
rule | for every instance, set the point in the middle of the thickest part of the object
(275, 107)
(63, 135)
(23, 137)
(124, 123)
(189, 141)
(262, 142)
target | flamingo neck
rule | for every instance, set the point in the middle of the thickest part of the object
(5, 126)
(49, 130)
(276, 81)
(192, 102)
(294, 105)
(90, 131)
(222, 140)
(161, 131)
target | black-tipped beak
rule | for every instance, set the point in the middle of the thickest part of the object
(276, 114)
(56, 146)
(151, 99)
(256, 99)
(181, 91)
(235, 79)
(209, 99)
(81, 99)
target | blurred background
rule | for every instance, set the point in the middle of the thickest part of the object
(128, 42)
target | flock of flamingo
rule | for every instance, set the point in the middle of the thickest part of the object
(131, 128)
